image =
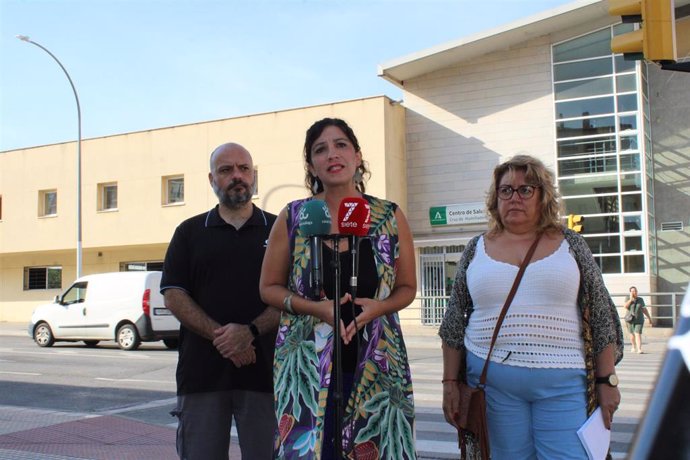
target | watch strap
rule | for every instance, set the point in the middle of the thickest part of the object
(253, 329)
(611, 380)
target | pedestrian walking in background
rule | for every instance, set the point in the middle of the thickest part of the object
(635, 305)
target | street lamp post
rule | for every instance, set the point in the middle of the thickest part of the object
(76, 97)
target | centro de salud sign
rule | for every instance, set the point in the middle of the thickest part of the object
(457, 214)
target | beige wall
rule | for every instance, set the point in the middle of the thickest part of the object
(396, 157)
(17, 304)
(669, 99)
(683, 37)
(465, 119)
(141, 227)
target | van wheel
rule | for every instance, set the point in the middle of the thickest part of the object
(91, 343)
(171, 343)
(128, 337)
(43, 335)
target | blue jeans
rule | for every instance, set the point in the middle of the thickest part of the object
(532, 413)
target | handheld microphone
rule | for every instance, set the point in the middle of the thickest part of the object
(315, 222)
(354, 220)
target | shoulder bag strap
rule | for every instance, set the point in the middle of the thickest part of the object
(509, 300)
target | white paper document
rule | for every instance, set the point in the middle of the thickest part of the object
(595, 437)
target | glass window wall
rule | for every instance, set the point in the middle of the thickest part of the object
(601, 130)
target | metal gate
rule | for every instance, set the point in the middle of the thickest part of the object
(437, 271)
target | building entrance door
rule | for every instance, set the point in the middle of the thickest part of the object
(437, 267)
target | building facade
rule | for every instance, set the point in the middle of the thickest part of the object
(137, 187)
(614, 131)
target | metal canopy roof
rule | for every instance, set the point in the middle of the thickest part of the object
(447, 54)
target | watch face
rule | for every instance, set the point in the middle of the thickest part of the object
(613, 380)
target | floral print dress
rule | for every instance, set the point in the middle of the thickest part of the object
(379, 412)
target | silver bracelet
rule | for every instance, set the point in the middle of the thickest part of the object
(287, 303)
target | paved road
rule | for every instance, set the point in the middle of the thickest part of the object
(69, 381)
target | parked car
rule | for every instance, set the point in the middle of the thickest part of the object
(124, 306)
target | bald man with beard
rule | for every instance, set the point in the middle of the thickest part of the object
(227, 335)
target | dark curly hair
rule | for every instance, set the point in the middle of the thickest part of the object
(313, 133)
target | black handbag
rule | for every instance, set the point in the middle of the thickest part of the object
(630, 316)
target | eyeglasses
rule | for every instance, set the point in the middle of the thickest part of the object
(505, 192)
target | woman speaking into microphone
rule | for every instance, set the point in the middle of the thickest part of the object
(377, 386)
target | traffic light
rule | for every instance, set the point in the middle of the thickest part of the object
(576, 223)
(655, 39)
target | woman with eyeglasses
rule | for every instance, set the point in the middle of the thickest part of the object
(553, 360)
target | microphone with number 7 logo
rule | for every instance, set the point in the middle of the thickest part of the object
(354, 220)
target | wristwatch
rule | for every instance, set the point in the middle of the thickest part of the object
(253, 329)
(611, 380)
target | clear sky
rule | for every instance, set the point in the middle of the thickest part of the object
(144, 64)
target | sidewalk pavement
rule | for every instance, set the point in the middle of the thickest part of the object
(51, 435)
(34, 434)
(31, 434)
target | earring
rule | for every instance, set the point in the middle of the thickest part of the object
(358, 176)
(315, 185)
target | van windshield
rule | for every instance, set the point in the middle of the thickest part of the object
(75, 294)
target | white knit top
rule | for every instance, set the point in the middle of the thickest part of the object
(542, 327)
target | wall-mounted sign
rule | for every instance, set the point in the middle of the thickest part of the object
(457, 214)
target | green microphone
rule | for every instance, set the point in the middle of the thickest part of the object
(314, 223)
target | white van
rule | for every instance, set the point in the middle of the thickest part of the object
(124, 306)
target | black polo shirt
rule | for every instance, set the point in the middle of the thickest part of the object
(219, 267)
